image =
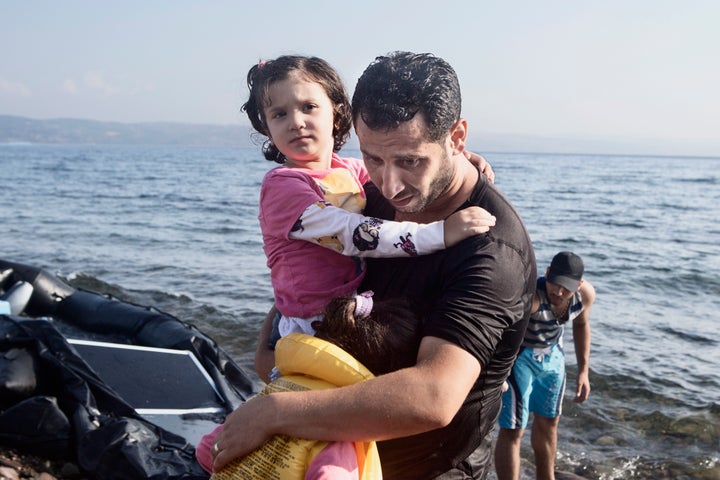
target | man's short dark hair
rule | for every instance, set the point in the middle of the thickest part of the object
(396, 87)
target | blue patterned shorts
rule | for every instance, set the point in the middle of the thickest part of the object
(536, 384)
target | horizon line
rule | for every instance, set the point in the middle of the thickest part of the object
(632, 146)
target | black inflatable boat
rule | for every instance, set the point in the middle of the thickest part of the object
(123, 390)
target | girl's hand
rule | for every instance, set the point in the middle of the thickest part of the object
(465, 223)
(482, 164)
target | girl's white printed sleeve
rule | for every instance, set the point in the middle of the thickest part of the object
(352, 234)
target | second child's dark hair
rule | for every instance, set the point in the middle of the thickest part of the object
(386, 340)
(264, 74)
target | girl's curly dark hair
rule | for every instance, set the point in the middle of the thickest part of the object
(264, 74)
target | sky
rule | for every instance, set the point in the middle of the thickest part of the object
(635, 72)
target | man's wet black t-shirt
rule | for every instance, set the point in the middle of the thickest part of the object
(477, 295)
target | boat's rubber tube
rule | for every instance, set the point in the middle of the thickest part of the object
(48, 290)
(147, 326)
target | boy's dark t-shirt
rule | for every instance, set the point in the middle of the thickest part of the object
(477, 295)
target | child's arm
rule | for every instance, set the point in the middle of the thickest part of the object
(264, 356)
(355, 235)
(481, 164)
(466, 223)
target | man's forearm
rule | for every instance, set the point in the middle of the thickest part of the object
(358, 412)
(581, 337)
(372, 410)
(398, 404)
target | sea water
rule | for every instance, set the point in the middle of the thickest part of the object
(177, 228)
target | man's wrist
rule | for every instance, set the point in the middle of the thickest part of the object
(268, 412)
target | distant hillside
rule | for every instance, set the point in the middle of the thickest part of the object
(72, 131)
(15, 129)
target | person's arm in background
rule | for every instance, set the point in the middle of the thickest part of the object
(581, 339)
(264, 356)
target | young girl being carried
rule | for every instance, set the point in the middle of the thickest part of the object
(311, 207)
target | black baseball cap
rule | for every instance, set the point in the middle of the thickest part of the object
(566, 270)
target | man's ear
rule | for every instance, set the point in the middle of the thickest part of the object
(458, 136)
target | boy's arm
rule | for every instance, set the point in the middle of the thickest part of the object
(353, 234)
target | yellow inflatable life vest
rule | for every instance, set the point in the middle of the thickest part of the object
(306, 363)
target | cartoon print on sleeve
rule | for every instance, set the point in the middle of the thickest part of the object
(298, 226)
(367, 235)
(407, 245)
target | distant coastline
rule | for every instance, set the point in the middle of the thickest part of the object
(17, 130)
(20, 130)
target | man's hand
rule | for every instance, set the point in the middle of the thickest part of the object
(583, 388)
(482, 165)
(244, 430)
